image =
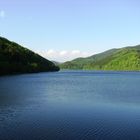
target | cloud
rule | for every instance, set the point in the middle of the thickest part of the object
(63, 55)
(75, 52)
(2, 14)
(50, 52)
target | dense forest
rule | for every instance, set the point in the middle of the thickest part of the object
(127, 58)
(17, 59)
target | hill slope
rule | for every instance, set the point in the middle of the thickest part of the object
(17, 59)
(127, 58)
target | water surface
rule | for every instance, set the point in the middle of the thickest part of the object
(70, 105)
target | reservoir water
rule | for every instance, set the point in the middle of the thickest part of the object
(70, 105)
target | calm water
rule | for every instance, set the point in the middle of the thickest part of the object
(69, 105)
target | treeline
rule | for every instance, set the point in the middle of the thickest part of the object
(126, 59)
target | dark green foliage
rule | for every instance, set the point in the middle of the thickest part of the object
(127, 58)
(17, 59)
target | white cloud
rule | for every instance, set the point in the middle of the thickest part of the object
(75, 52)
(63, 55)
(50, 52)
(2, 14)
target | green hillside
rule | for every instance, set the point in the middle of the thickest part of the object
(127, 58)
(17, 59)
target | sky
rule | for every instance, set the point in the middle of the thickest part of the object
(62, 30)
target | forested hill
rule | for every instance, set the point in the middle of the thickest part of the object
(127, 58)
(17, 59)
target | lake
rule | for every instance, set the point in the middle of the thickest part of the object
(70, 105)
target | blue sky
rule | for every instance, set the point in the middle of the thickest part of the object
(64, 29)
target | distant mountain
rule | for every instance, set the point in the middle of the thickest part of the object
(17, 59)
(127, 58)
(56, 63)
